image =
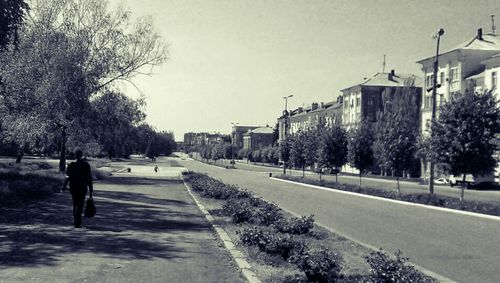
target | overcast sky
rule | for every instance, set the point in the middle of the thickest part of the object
(233, 61)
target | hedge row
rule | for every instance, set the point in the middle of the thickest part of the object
(273, 233)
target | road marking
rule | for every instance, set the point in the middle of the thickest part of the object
(238, 257)
(473, 214)
(439, 277)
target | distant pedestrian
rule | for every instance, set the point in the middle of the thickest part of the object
(80, 179)
(157, 168)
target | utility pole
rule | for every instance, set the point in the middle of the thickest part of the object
(286, 114)
(383, 65)
(493, 27)
(233, 134)
(433, 117)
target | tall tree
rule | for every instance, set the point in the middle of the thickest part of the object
(12, 13)
(396, 130)
(297, 151)
(333, 148)
(360, 152)
(76, 49)
(464, 136)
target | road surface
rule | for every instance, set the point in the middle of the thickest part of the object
(462, 248)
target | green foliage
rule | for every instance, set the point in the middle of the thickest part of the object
(384, 269)
(396, 130)
(19, 187)
(297, 150)
(12, 13)
(270, 241)
(463, 137)
(295, 225)
(360, 153)
(322, 265)
(333, 147)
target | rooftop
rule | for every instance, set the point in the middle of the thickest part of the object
(391, 79)
(480, 42)
(261, 130)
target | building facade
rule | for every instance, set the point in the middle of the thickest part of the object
(303, 118)
(237, 134)
(362, 101)
(258, 138)
(470, 65)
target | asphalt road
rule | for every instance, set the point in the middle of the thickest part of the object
(147, 229)
(460, 247)
(384, 184)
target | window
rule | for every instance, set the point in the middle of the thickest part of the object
(428, 80)
(441, 78)
(493, 79)
(454, 74)
(358, 103)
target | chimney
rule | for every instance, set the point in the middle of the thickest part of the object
(314, 106)
(391, 75)
(322, 105)
(480, 33)
(301, 109)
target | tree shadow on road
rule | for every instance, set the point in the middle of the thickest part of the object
(40, 233)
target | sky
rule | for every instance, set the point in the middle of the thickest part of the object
(233, 61)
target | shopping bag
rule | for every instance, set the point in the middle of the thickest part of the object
(89, 208)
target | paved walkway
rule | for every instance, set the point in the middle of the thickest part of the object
(147, 229)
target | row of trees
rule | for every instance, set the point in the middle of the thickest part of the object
(62, 63)
(461, 141)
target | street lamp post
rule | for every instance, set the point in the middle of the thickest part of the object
(232, 143)
(285, 113)
(433, 117)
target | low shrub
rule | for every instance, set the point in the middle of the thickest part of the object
(269, 240)
(385, 269)
(295, 225)
(252, 211)
(322, 265)
(17, 187)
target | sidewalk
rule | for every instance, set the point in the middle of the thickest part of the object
(147, 229)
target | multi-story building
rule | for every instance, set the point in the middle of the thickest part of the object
(258, 138)
(237, 134)
(472, 64)
(304, 118)
(362, 101)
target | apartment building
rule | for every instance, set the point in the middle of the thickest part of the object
(362, 101)
(303, 118)
(473, 64)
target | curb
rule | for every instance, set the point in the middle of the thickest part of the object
(449, 210)
(238, 257)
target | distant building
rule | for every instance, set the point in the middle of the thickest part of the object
(329, 113)
(200, 139)
(258, 138)
(362, 101)
(237, 134)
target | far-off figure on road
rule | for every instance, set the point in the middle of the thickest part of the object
(157, 168)
(80, 178)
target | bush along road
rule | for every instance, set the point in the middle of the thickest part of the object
(269, 235)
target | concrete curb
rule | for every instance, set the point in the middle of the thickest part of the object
(449, 210)
(238, 257)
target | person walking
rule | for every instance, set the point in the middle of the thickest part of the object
(157, 168)
(79, 175)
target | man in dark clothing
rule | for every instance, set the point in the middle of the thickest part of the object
(80, 178)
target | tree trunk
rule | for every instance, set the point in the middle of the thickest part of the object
(284, 168)
(20, 154)
(397, 181)
(303, 171)
(336, 178)
(360, 178)
(62, 156)
(462, 189)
